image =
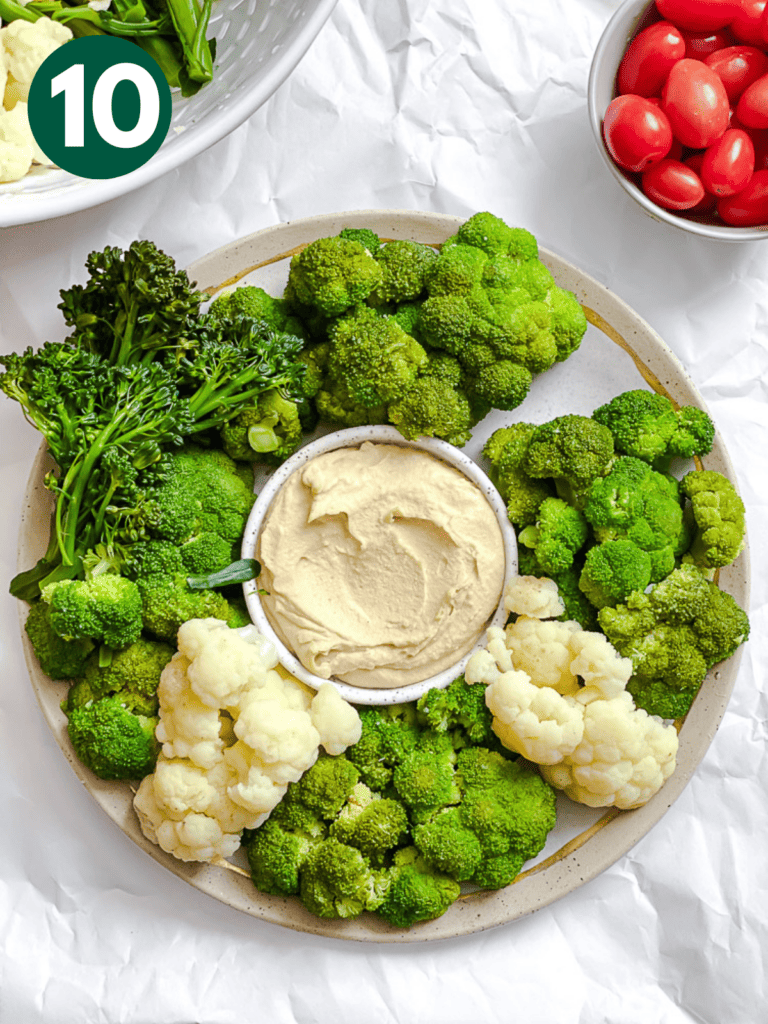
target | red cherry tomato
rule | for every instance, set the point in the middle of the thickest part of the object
(696, 103)
(747, 26)
(636, 132)
(648, 58)
(752, 108)
(737, 67)
(708, 202)
(728, 164)
(699, 15)
(748, 208)
(673, 185)
(700, 44)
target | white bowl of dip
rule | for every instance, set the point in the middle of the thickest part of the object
(383, 562)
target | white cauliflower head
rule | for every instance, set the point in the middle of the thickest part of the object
(535, 721)
(537, 598)
(16, 151)
(543, 650)
(623, 759)
(236, 729)
(26, 45)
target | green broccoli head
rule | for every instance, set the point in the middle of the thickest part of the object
(276, 856)
(254, 303)
(105, 608)
(373, 357)
(520, 331)
(448, 845)
(59, 658)
(425, 778)
(331, 275)
(505, 449)
(573, 451)
(111, 740)
(327, 785)
(568, 323)
(335, 404)
(269, 430)
(647, 426)
(673, 634)
(337, 881)
(133, 674)
(612, 570)
(559, 532)
(635, 502)
(373, 824)
(388, 734)
(431, 407)
(458, 709)
(718, 512)
(416, 891)
(206, 553)
(502, 384)
(405, 266)
(457, 270)
(365, 236)
(167, 601)
(489, 233)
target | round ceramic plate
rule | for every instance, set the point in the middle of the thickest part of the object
(620, 351)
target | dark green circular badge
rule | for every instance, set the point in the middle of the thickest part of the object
(99, 106)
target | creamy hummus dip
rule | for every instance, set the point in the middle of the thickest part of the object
(381, 564)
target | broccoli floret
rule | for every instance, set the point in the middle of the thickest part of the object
(168, 601)
(373, 357)
(206, 553)
(458, 709)
(505, 449)
(573, 451)
(559, 532)
(647, 426)
(277, 854)
(105, 608)
(335, 404)
(327, 785)
(673, 634)
(59, 658)
(502, 384)
(331, 275)
(635, 502)
(388, 734)
(718, 513)
(612, 570)
(203, 489)
(111, 740)
(405, 266)
(373, 824)
(133, 674)
(505, 805)
(365, 236)
(425, 777)
(458, 270)
(255, 303)
(568, 323)
(493, 236)
(416, 891)
(431, 407)
(337, 881)
(270, 430)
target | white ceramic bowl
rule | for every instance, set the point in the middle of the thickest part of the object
(622, 26)
(351, 438)
(258, 44)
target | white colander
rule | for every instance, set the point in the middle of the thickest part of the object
(258, 44)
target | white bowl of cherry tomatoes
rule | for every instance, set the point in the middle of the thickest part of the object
(678, 102)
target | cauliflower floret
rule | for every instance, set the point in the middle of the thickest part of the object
(19, 117)
(15, 149)
(187, 727)
(27, 44)
(537, 598)
(597, 662)
(535, 721)
(235, 731)
(337, 722)
(222, 662)
(623, 759)
(543, 650)
(3, 67)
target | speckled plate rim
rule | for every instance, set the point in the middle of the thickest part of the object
(601, 844)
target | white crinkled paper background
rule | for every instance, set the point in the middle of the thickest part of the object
(451, 106)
